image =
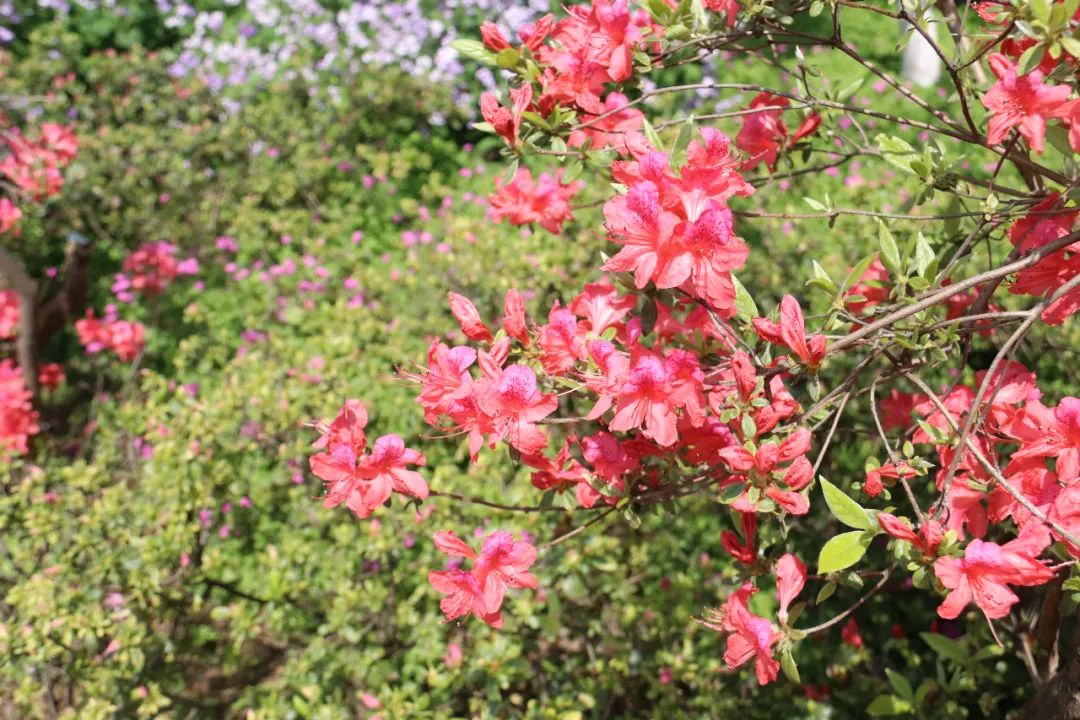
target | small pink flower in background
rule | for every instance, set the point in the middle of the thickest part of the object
(850, 634)
(126, 339)
(453, 656)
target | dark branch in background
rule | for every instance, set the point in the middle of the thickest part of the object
(27, 290)
(72, 300)
(39, 319)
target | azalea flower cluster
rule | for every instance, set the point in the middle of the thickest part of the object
(125, 338)
(1025, 101)
(363, 481)
(150, 269)
(749, 636)
(33, 164)
(1041, 227)
(544, 202)
(18, 419)
(654, 391)
(1039, 448)
(9, 314)
(676, 230)
(503, 563)
(579, 57)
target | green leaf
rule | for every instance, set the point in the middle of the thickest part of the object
(787, 664)
(749, 427)
(896, 152)
(924, 255)
(660, 11)
(701, 18)
(1071, 585)
(945, 647)
(825, 592)
(842, 551)
(1041, 10)
(822, 280)
(682, 141)
(731, 493)
(815, 204)
(844, 508)
(653, 137)
(474, 50)
(857, 272)
(745, 307)
(1071, 45)
(890, 254)
(508, 59)
(1030, 59)
(888, 705)
(900, 685)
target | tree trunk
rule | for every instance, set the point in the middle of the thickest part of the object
(1059, 697)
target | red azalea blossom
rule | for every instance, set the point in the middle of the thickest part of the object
(123, 337)
(502, 563)
(984, 573)
(18, 419)
(152, 267)
(790, 579)
(507, 120)
(763, 134)
(363, 482)
(873, 486)
(653, 392)
(10, 214)
(745, 551)
(514, 317)
(33, 165)
(678, 231)
(750, 637)
(51, 376)
(515, 404)
(850, 634)
(469, 318)
(791, 332)
(926, 541)
(1020, 101)
(9, 314)
(560, 341)
(545, 202)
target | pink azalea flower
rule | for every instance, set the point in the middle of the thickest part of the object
(984, 573)
(1020, 101)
